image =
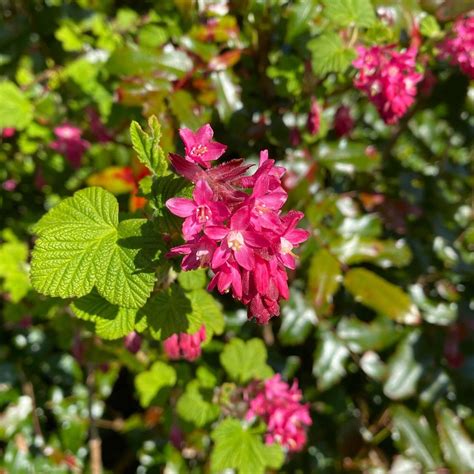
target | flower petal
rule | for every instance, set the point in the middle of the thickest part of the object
(181, 207)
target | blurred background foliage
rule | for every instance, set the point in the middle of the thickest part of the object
(379, 328)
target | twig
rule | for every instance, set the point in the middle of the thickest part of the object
(95, 444)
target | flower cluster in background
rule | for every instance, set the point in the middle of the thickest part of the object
(279, 405)
(242, 236)
(70, 143)
(460, 48)
(185, 346)
(389, 79)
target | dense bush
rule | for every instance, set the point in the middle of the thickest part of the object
(352, 353)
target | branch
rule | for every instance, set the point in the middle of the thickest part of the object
(95, 444)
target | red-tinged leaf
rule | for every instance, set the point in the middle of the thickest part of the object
(225, 60)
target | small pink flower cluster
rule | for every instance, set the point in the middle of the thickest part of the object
(185, 346)
(242, 236)
(280, 407)
(313, 123)
(343, 121)
(460, 48)
(389, 79)
(70, 144)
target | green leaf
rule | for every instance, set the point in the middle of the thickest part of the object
(15, 109)
(14, 268)
(384, 253)
(169, 312)
(244, 361)
(111, 321)
(382, 296)
(194, 408)
(149, 383)
(350, 12)
(329, 360)
(208, 310)
(330, 54)
(299, 18)
(415, 437)
(192, 280)
(456, 445)
(298, 320)
(429, 27)
(81, 244)
(348, 158)
(241, 448)
(147, 146)
(442, 314)
(324, 276)
(403, 370)
(183, 106)
(360, 337)
(228, 94)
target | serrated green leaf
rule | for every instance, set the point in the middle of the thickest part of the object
(192, 280)
(244, 361)
(324, 276)
(15, 108)
(457, 447)
(149, 383)
(415, 437)
(350, 12)
(209, 311)
(169, 312)
(299, 18)
(380, 295)
(330, 54)
(111, 321)
(241, 448)
(82, 245)
(329, 360)
(403, 370)
(14, 269)
(194, 408)
(147, 146)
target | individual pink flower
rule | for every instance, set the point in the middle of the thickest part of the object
(198, 212)
(279, 405)
(185, 346)
(460, 46)
(290, 238)
(70, 144)
(389, 79)
(197, 253)
(314, 117)
(199, 147)
(9, 185)
(133, 342)
(343, 121)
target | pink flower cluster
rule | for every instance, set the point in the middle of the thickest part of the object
(70, 144)
(460, 48)
(185, 346)
(241, 235)
(280, 407)
(343, 121)
(389, 79)
(313, 122)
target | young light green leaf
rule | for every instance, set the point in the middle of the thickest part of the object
(82, 245)
(15, 108)
(330, 54)
(244, 361)
(111, 321)
(209, 311)
(382, 296)
(323, 279)
(169, 312)
(192, 280)
(429, 27)
(13, 267)
(193, 407)
(149, 383)
(457, 447)
(147, 146)
(415, 437)
(241, 448)
(329, 360)
(350, 12)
